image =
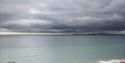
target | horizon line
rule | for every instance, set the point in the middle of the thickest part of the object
(55, 33)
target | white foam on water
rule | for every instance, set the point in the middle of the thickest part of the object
(111, 61)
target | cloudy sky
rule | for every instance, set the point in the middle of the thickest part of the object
(87, 16)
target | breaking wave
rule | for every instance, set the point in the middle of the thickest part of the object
(112, 61)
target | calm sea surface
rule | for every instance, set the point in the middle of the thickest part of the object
(61, 49)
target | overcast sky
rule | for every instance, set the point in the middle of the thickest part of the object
(88, 16)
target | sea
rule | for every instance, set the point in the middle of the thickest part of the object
(61, 49)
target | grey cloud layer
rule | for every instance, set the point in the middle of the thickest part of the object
(62, 15)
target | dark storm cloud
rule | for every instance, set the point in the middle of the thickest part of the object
(62, 15)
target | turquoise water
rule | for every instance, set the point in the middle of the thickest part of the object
(61, 49)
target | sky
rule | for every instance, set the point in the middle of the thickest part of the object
(78, 16)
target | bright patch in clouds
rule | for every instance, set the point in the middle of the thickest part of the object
(34, 11)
